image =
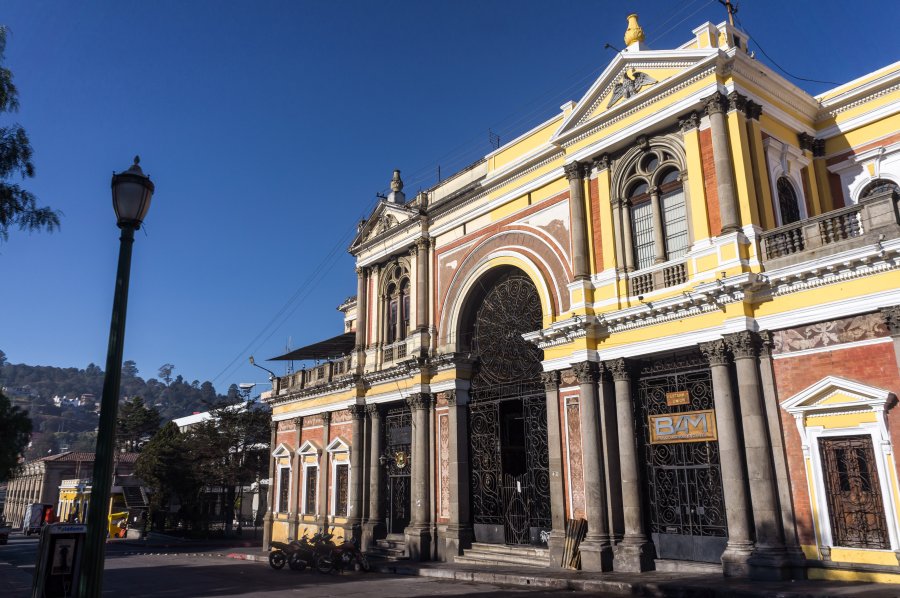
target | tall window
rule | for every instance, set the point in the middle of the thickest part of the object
(879, 186)
(787, 201)
(284, 488)
(642, 226)
(341, 489)
(311, 483)
(674, 215)
(393, 309)
(396, 302)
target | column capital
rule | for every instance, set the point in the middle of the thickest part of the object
(423, 243)
(298, 422)
(273, 426)
(361, 271)
(419, 400)
(715, 104)
(689, 122)
(737, 101)
(753, 110)
(805, 141)
(891, 317)
(766, 343)
(618, 368)
(602, 162)
(573, 170)
(326, 417)
(818, 148)
(357, 411)
(373, 410)
(715, 352)
(585, 372)
(550, 380)
(743, 345)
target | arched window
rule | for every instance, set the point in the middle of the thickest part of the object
(655, 199)
(879, 186)
(788, 205)
(396, 302)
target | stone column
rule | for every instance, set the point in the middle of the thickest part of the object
(374, 526)
(596, 550)
(554, 450)
(418, 532)
(779, 456)
(891, 317)
(659, 240)
(574, 173)
(322, 490)
(609, 434)
(422, 284)
(731, 465)
(728, 208)
(459, 531)
(362, 312)
(628, 238)
(768, 560)
(354, 507)
(296, 480)
(635, 553)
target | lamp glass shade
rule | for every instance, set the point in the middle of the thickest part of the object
(131, 194)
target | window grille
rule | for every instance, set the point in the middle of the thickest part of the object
(642, 225)
(342, 489)
(284, 488)
(787, 201)
(312, 479)
(675, 223)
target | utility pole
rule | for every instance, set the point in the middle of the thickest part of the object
(731, 8)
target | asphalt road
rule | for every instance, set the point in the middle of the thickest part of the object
(185, 574)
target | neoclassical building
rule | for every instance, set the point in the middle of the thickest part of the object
(670, 310)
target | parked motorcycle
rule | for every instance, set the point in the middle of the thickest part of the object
(341, 558)
(287, 552)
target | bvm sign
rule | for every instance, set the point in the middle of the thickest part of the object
(689, 426)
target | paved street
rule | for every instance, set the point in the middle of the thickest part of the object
(165, 575)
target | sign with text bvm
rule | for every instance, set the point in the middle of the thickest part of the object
(689, 426)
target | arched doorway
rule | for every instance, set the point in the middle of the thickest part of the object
(510, 484)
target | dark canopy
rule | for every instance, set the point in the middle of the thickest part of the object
(338, 346)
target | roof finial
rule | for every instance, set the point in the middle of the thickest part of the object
(634, 33)
(396, 195)
(396, 182)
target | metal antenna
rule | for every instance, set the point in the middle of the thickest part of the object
(493, 139)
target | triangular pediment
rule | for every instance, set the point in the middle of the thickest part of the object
(282, 450)
(631, 78)
(309, 448)
(338, 445)
(833, 393)
(386, 216)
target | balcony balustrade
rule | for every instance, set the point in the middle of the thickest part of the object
(318, 375)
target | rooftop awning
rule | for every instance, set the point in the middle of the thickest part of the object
(338, 346)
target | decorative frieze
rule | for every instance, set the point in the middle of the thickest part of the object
(891, 317)
(832, 332)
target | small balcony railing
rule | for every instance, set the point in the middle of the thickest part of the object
(394, 352)
(667, 275)
(830, 232)
(318, 375)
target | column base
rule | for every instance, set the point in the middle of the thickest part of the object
(596, 555)
(418, 542)
(371, 531)
(557, 546)
(456, 540)
(634, 557)
(770, 564)
(735, 560)
(267, 531)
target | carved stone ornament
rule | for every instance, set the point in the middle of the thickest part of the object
(753, 110)
(451, 397)
(357, 411)
(585, 372)
(618, 368)
(396, 182)
(766, 343)
(374, 411)
(418, 400)
(715, 352)
(642, 142)
(689, 122)
(273, 426)
(423, 243)
(360, 272)
(818, 148)
(715, 104)
(298, 423)
(743, 345)
(602, 163)
(891, 317)
(630, 84)
(572, 170)
(805, 141)
(737, 102)
(550, 380)
(326, 418)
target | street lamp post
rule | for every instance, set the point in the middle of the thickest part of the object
(131, 193)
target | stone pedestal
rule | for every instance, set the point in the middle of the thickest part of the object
(418, 542)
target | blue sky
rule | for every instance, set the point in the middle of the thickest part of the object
(268, 127)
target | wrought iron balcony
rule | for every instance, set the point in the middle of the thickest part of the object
(865, 223)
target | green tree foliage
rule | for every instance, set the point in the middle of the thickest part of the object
(18, 207)
(165, 465)
(135, 421)
(165, 372)
(15, 429)
(129, 369)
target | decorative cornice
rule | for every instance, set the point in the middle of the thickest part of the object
(689, 122)
(419, 400)
(891, 317)
(343, 383)
(715, 352)
(585, 372)
(550, 380)
(743, 345)
(619, 369)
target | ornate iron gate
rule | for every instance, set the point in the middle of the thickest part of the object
(396, 459)
(684, 481)
(855, 506)
(508, 418)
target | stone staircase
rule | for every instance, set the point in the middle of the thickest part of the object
(392, 548)
(499, 554)
(673, 566)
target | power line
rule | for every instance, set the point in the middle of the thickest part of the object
(778, 66)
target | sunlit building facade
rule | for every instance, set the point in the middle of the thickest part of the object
(671, 310)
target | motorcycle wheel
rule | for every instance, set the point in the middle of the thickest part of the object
(325, 564)
(296, 563)
(363, 562)
(277, 559)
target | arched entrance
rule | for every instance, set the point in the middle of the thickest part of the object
(510, 484)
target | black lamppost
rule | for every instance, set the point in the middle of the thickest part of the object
(131, 194)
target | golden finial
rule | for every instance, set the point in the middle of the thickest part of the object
(634, 33)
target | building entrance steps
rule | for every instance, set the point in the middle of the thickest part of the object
(391, 548)
(501, 554)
